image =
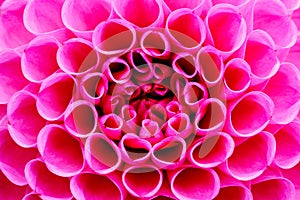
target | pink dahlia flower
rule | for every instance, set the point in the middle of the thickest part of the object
(149, 99)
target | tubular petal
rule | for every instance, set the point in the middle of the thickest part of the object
(117, 70)
(111, 125)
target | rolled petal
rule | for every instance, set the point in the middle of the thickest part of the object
(211, 151)
(129, 116)
(169, 153)
(151, 131)
(155, 44)
(134, 150)
(10, 191)
(43, 182)
(236, 77)
(10, 71)
(61, 152)
(173, 108)
(90, 186)
(255, 107)
(93, 87)
(157, 113)
(288, 145)
(161, 72)
(194, 95)
(39, 58)
(225, 19)
(211, 117)
(13, 158)
(55, 95)
(102, 154)
(261, 55)
(112, 104)
(79, 16)
(179, 125)
(257, 153)
(114, 36)
(211, 65)
(276, 22)
(111, 126)
(276, 188)
(76, 56)
(13, 33)
(142, 181)
(184, 64)
(283, 88)
(202, 184)
(186, 29)
(21, 113)
(117, 70)
(134, 12)
(81, 118)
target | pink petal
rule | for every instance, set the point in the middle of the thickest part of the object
(291, 4)
(273, 188)
(112, 104)
(13, 158)
(91, 186)
(76, 56)
(134, 12)
(186, 29)
(293, 175)
(39, 58)
(296, 18)
(10, 71)
(288, 145)
(194, 95)
(258, 152)
(151, 131)
(211, 116)
(211, 151)
(43, 182)
(161, 72)
(234, 192)
(261, 55)
(202, 184)
(81, 118)
(184, 64)
(195, 4)
(21, 113)
(255, 107)
(294, 52)
(180, 125)
(55, 95)
(142, 181)
(32, 196)
(10, 191)
(3, 110)
(117, 70)
(43, 16)
(79, 16)
(129, 116)
(169, 153)
(173, 108)
(233, 2)
(114, 36)
(276, 21)
(111, 126)
(283, 88)
(61, 152)
(134, 150)
(236, 77)
(225, 19)
(13, 33)
(102, 154)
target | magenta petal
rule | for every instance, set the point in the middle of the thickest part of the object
(76, 56)
(43, 182)
(169, 153)
(211, 151)
(194, 95)
(10, 191)
(288, 145)
(111, 126)
(10, 71)
(43, 16)
(81, 118)
(184, 64)
(92, 186)
(102, 154)
(225, 19)
(194, 5)
(55, 95)
(108, 37)
(39, 58)
(32, 196)
(13, 158)
(60, 151)
(13, 33)
(21, 113)
(276, 21)
(234, 192)
(258, 152)
(129, 116)
(117, 70)
(134, 12)
(142, 181)
(276, 188)
(291, 4)
(246, 110)
(194, 183)
(294, 51)
(179, 125)
(186, 29)
(151, 131)
(173, 108)
(283, 88)
(293, 175)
